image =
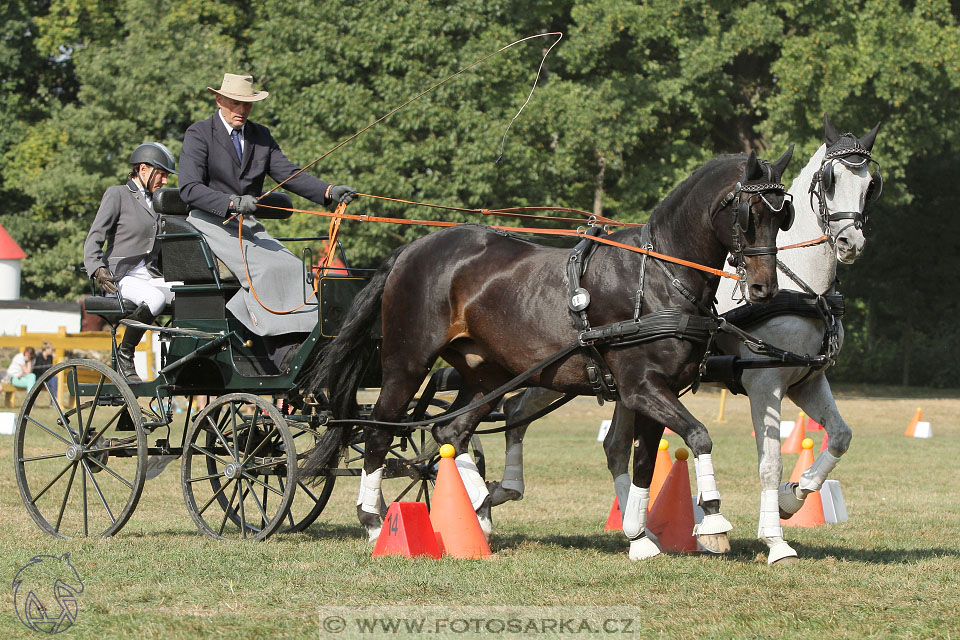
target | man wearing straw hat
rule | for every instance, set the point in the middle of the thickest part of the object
(223, 163)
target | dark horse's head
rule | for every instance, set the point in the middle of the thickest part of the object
(732, 205)
(747, 220)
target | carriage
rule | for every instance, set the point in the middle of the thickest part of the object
(81, 465)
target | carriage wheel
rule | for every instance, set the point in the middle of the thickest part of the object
(312, 496)
(240, 456)
(81, 466)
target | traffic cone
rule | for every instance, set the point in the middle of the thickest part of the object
(671, 518)
(661, 468)
(793, 442)
(912, 427)
(825, 442)
(452, 514)
(813, 425)
(407, 532)
(614, 518)
(811, 513)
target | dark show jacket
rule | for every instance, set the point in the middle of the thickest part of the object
(129, 227)
(210, 171)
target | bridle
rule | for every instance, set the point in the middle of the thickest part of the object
(823, 182)
(742, 198)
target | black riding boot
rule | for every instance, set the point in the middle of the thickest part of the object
(131, 338)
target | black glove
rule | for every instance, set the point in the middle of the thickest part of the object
(105, 279)
(243, 204)
(342, 193)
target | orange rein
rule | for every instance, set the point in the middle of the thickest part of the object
(339, 214)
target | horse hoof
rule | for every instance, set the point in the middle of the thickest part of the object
(781, 553)
(715, 542)
(499, 494)
(787, 500)
(643, 548)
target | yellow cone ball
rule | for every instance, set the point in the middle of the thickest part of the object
(447, 451)
(807, 443)
(682, 454)
(664, 445)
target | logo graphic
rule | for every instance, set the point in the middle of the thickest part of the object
(45, 593)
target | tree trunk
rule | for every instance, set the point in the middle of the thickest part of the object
(598, 191)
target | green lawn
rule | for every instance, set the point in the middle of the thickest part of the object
(891, 571)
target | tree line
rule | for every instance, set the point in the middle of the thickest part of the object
(635, 96)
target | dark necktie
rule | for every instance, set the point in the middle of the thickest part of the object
(235, 135)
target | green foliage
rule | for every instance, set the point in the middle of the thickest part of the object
(634, 98)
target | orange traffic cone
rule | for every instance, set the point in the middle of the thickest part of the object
(813, 425)
(614, 518)
(794, 440)
(452, 515)
(661, 468)
(407, 532)
(912, 427)
(811, 513)
(671, 518)
(825, 442)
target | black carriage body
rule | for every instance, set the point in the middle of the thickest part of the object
(229, 358)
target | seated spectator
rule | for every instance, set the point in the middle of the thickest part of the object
(20, 370)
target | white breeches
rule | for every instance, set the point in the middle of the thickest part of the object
(141, 287)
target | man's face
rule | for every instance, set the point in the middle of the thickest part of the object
(234, 111)
(158, 180)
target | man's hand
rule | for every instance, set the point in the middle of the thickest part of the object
(342, 193)
(243, 204)
(105, 279)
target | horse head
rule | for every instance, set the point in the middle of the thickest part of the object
(844, 187)
(753, 213)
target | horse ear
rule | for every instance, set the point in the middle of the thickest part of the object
(751, 171)
(830, 133)
(781, 164)
(868, 139)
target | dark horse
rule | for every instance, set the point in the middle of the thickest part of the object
(493, 306)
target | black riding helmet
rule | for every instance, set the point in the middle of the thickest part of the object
(154, 154)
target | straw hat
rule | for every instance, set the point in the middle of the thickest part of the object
(239, 88)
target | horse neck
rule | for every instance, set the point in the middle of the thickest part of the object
(685, 230)
(816, 265)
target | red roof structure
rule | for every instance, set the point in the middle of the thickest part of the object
(9, 249)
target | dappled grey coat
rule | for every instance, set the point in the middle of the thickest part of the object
(209, 174)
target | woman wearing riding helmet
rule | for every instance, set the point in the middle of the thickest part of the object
(128, 225)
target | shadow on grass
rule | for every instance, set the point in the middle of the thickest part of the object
(745, 551)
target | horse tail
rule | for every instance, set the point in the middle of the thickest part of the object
(341, 363)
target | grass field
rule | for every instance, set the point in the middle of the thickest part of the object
(892, 571)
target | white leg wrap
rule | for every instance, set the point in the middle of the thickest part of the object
(643, 548)
(513, 469)
(711, 524)
(635, 513)
(706, 482)
(769, 527)
(369, 498)
(472, 480)
(814, 477)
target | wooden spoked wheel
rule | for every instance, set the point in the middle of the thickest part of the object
(80, 466)
(239, 468)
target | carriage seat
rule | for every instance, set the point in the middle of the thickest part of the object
(110, 308)
(186, 256)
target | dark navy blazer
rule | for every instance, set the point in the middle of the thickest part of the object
(210, 171)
